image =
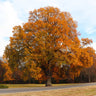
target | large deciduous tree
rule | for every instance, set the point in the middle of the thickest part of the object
(46, 44)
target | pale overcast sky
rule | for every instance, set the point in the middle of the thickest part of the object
(16, 12)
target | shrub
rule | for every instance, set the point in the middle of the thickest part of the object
(3, 86)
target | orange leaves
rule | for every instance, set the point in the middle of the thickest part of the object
(45, 42)
(86, 41)
(86, 58)
(5, 72)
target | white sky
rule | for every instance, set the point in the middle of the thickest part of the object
(15, 12)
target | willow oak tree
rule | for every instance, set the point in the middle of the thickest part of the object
(50, 40)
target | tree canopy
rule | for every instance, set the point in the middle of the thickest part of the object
(48, 46)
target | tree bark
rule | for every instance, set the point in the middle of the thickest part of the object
(48, 81)
(89, 76)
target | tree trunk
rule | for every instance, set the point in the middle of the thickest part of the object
(89, 79)
(48, 81)
(89, 76)
(29, 81)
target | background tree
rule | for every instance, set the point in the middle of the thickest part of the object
(5, 72)
(88, 74)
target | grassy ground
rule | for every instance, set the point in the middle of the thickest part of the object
(33, 85)
(23, 85)
(78, 91)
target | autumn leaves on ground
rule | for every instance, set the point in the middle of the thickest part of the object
(47, 49)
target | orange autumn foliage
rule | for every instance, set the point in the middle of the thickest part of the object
(46, 44)
(5, 72)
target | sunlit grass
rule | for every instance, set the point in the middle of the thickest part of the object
(24, 85)
(31, 85)
(35, 85)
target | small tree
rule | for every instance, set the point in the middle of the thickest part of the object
(5, 72)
